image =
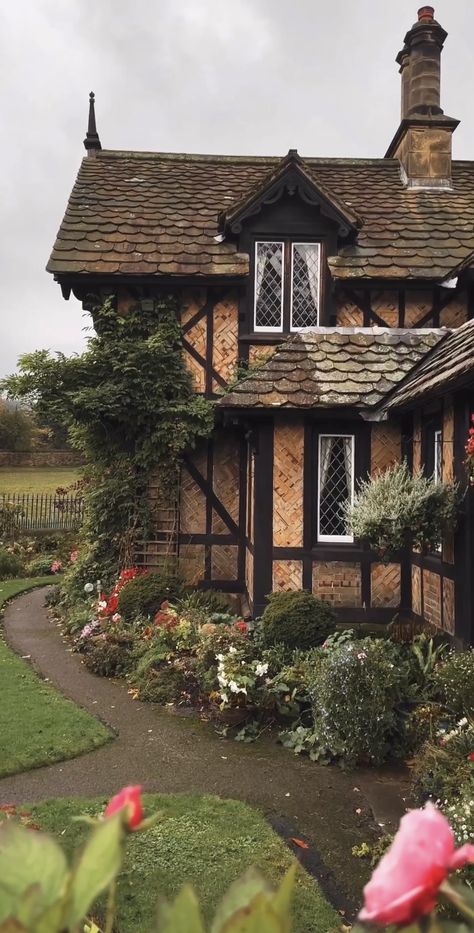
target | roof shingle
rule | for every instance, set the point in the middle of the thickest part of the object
(449, 363)
(330, 367)
(139, 213)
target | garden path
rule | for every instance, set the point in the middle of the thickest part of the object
(170, 753)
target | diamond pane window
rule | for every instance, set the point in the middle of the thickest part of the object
(305, 263)
(335, 486)
(269, 286)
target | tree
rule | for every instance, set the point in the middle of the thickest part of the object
(19, 429)
(129, 406)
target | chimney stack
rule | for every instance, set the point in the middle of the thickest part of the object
(423, 141)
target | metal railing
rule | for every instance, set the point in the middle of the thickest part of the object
(33, 511)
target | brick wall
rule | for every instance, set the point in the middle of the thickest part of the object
(432, 597)
(338, 583)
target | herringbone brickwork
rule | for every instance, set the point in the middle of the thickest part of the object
(288, 485)
(287, 575)
(385, 586)
(385, 447)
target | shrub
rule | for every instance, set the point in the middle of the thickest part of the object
(454, 682)
(444, 765)
(10, 564)
(144, 594)
(213, 602)
(357, 695)
(394, 508)
(109, 656)
(40, 566)
(297, 619)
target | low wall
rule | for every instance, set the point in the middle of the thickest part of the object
(40, 458)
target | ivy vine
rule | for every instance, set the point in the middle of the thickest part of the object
(129, 405)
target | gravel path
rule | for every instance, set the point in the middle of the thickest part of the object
(172, 754)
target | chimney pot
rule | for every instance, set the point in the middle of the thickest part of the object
(426, 14)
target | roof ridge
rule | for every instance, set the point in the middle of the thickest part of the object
(223, 157)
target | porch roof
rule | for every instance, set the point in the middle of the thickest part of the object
(328, 367)
(450, 363)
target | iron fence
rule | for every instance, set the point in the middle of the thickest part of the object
(40, 512)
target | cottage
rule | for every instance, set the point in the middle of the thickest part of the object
(345, 286)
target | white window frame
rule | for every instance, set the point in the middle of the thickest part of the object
(335, 539)
(302, 330)
(259, 328)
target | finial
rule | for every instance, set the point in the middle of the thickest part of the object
(92, 141)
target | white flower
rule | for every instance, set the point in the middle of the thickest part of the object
(220, 657)
(232, 650)
(89, 588)
(233, 686)
(224, 697)
(116, 617)
(261, 669)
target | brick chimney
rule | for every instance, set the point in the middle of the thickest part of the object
(423, 141)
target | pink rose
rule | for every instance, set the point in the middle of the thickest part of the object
(406, 881)
(129, 797)
(56, 566)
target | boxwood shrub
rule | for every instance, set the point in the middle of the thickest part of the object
(144, 595)
(297, 619)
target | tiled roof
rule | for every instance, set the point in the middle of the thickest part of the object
(347, 366)
(134, 213)
(448, 364)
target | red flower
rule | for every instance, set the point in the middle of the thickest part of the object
(470, 757)
(241, 626)
(405, 884)
(129, 797)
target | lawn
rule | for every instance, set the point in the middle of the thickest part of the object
(36, 479)
(202, 840)
(37, 724)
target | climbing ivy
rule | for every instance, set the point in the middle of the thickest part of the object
(129, 406)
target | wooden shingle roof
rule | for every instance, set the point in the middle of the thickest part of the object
(354, 367)
(155, 214)
(451, 363)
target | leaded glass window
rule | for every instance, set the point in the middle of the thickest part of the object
(269, 286)
(335, 486)
(305, 285)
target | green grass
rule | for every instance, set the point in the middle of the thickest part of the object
(202, 840)
(36, 479)
(37, 724)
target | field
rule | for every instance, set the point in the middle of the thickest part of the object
(36, 479)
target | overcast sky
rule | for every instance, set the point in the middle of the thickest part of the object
(229, 76)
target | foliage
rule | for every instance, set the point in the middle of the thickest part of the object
(297, 619)
(11, 565)
(469, 448)
(109, 655)
(394, 507)
(19, 429)
(357, 697)
(129, 405)
(443, 765)
(454, 682)
(10, 515)
(144, 595)
(40, 566)
(204, 840)
(240, 679)
(213, 602)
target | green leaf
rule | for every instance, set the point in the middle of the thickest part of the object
(97, 867)
(183, 915)
(283, 896)
(239, 895)
(29, 860)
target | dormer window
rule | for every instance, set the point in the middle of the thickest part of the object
(287, 285)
